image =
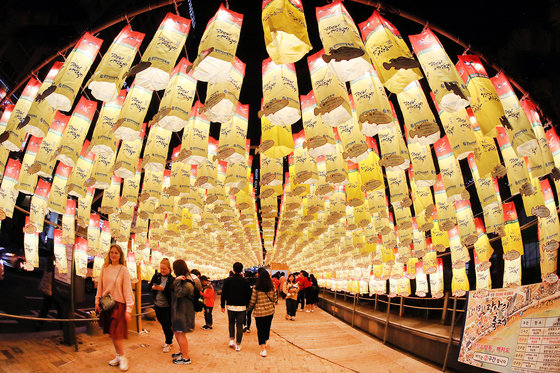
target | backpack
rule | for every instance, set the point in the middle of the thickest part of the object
(198, 300)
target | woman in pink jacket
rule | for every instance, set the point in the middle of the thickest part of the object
(115, 280)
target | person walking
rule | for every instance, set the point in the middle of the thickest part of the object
(251, 279)
(161, 285)
(282, 281)
(209, 296)
(263, 301)
(313, 290)
(182, 310)
(45, 286)
(235, 294)
(291, 289)
(114, 301)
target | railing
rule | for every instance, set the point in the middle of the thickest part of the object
(402, 306)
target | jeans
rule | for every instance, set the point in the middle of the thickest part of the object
(248, 319)
(301, 298)
(163, 315)
(235, 319)
(291, 307)
(208, 315)
(263, 328)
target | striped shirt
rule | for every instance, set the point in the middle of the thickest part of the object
(263, 303)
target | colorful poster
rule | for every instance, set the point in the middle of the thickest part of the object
(513, 330)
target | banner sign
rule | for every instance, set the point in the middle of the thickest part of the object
(513, 330)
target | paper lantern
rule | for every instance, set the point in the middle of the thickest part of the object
(541, 161)
(4, 152)
(482, 247)
(512, 243)
(518, 175)
(419, 246)
(285, 30)
(102, 170)
(353, 142)
(237, 175)
(13, 136)
(31, 248)
(436, 281)
(460, 282)
(459, 131)
(465, 222)
(333, 105)
(61, 262)
(440, 237)
(450, 91)
(549, 236)
(155, 152)
(233, 137)
(109, 76)
(450, 175)
(445, 210)
(128, 156)
(84, 207)
(8, 192)
(195, 138)
(68, 81)
(38, 206)
(483, 278)
(218, 45)
(206, 175)
(485, 102)
(57, 196)
(111, 196)
(45, 158)
(27, 181)
(222, 97)
(271, 171)
(369, 168)
(344, 50)
(423, 203)
(534, 203)
(69, 223)
(131, 186)
(421, 126)
(75, 132)
(423, 164)
(103, 140)
(160, 56)
(372, 106)
(429, 262)
(421, 281)
(280, 93)
(136, 104)
(512, 273)
(305, 166)
(389, 53)
(75, 186)
(40, 113)
(177, 100)
(518, 126)
(393, 149)
(276, 141)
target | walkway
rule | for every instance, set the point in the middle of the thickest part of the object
(316, 342)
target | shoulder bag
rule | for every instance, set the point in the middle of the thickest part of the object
(107, 302)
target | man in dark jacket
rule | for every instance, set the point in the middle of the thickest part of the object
(236, 293)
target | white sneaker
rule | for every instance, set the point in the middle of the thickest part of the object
(307, 311)
(115, 361)
(123, 364)
(263, 353)
(166, 348)
(237, 347)
(231, 343)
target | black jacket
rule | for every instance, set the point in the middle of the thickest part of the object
(156, 280)
(235, 292)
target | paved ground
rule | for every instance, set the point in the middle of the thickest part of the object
(316, 342)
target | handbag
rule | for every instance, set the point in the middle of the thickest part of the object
(107, 302)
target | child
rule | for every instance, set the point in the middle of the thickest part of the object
(209, 295)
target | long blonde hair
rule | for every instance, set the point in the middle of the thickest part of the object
(108, 258)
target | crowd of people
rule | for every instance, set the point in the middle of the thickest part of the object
(178, 293)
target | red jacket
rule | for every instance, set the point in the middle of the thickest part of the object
(209, 296)
(303, 282)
